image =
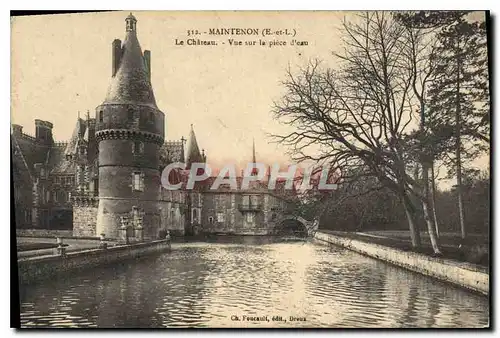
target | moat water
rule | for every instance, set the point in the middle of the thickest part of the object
(217, 283)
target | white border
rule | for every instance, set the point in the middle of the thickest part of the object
(195, 5)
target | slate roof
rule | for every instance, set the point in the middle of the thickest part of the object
(59, 163)
(193, 154)
(73, 142)
(131, 83)
(30, 152)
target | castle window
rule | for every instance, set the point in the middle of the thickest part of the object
(101, 119)
(220, 217)
(96, 186)
(138, 181)
(195, 216)
(211, 220)
(254, 200)
(249, 217)
(138, 147)
(27, 215)
(246, 200)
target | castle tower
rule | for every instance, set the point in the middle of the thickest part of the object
(129, 132)
(193, 151)
(193, 197)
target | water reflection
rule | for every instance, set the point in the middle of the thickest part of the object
(204, 284)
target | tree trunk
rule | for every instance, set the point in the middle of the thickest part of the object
(433, 198)
(427, 210)
(426, 164)
(458, 151)
(410, 215)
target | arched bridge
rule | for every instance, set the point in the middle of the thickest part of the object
(295, 225)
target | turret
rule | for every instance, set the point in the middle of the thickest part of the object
(193, 151)
(129, 130)
(254, 168)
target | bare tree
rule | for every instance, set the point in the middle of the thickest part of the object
(361, 114)
(420, 58)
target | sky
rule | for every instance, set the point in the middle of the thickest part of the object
(61, 65)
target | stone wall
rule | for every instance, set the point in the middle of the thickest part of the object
(85, 217)
(171, 215)
(43, 233)
(34, 269)
(236, 220)
(461, 274)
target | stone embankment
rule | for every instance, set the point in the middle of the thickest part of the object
(465, 275)
(33, 269)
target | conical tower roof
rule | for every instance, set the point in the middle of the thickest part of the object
(131, 83)
(254, 171)
(78, 132)
(253, 151)
(193, 151)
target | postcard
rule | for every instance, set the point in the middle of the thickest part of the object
(251, 169)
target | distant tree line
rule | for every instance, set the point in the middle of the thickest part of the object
(381, 210)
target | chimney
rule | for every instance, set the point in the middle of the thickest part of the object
(44, 132)
(17, 129)
(147, 59)
(117, 56)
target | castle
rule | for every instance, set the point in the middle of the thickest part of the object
(106, 180)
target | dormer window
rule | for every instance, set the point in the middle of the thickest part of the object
(130, 23)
